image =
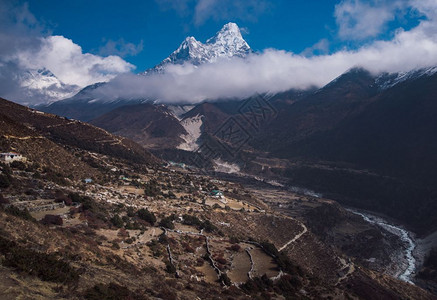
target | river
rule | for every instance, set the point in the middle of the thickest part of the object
(404, 235)
(406, 273)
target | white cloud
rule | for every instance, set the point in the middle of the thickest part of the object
(182, 7)
(275, 70)
(270, 71)
(68, 62)
(321, 47)
(219, 10)
(361, 19)
(120, 48)
(426, 7)
(229, 9)
(26, 45)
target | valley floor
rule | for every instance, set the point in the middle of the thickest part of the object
(165, 232)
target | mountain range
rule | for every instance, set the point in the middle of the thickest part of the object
(363, 139)
(86, 105)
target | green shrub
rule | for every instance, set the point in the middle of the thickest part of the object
(146, 215)
(18, 165)
(45, 266)
(115, 245)
(130, 211)
(169, 268)
(91, 207)
(117, 221)
(167, 222)
(208, 226)
(21, 213)
(191, 220)
(281, 259)
(4, 181)
(152, 189)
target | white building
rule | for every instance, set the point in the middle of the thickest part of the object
(10, 157)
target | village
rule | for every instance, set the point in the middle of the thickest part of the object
(167, 218)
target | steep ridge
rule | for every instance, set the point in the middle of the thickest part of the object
(75, 133)
(368, 147)
(152, 126)
(39, 149)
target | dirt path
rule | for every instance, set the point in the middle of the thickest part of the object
(61, 124)
(305, 229)
(348, 267)
(23, 137)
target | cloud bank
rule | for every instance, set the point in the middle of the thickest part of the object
(25, 45)
(68, 62)
(275, 70)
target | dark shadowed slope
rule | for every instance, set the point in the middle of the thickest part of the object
(152, 126)
(366, 146)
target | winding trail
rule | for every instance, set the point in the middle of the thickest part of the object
(305, 229)
(22, 137)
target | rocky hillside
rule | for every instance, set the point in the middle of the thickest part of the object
(161, 232)
(68, 133)
(152, 126)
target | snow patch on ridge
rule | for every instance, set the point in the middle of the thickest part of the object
(386, 81)
(193, 128)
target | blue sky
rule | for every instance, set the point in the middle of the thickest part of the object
(299, 44)
(153, 29)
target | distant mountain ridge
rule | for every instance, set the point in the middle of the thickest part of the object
(85, 106)
(364, 140)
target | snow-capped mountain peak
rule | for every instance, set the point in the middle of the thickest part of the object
(43, 83)
(228, 42)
